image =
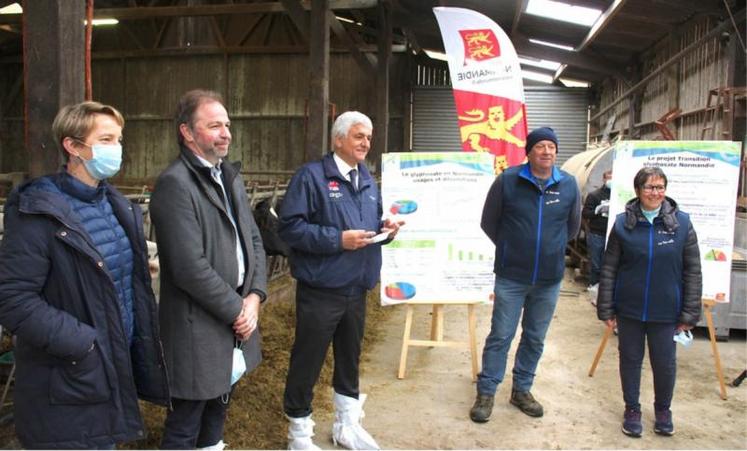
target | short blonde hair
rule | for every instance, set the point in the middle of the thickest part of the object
(76, 121)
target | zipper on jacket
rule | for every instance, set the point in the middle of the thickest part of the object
(648, 270)
(539, 236)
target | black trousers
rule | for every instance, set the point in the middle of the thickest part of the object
(194, 423)
(662, 352)
(324, 316)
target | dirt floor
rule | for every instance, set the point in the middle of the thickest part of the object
(430, 407)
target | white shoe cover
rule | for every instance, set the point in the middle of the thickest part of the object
(300, 431)
(347, 431)
(220, 446)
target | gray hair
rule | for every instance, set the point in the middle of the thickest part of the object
(345, 121)
(644, 174)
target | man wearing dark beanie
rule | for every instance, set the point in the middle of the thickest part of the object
(530, 214)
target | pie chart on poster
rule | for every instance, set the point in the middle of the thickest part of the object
(403, 207)
(399, 291)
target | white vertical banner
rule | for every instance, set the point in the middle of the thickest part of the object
(441, 254)
(702, 178)
(487, 85)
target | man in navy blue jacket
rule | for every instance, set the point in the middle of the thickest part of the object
(331, 211)
(530, 213)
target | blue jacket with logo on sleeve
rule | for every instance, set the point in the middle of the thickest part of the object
(530, 225)
(651, 272)
(319, 205)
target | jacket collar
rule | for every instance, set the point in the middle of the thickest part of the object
(79, 190)
(331, 171)
(667, 214)
(526, 173)
(230, 169)
(44, 196)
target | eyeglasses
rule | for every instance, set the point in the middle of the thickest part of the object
(652, 188)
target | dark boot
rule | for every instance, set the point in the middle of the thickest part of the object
(526, 403)
(481, 410)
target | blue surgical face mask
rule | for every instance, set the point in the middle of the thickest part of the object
(105, 161)
(608, 183)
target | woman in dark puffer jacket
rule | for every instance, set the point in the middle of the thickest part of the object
(650, 288)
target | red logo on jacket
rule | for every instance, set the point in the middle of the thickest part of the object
(333, 185)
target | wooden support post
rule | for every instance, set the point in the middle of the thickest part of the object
(53, 67)
(708, 305)
(472, 326)
(437, 322)
(600, 351)
(317, 128)
(405, 342)
(381, 128)
(437, 334)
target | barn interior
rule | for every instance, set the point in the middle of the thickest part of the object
(635, 70)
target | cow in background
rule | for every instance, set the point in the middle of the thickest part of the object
(267, 220)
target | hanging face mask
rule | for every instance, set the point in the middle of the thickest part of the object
(238, 368)
(608, 184)
(105, 161)
(684, 337)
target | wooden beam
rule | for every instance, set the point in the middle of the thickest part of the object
(696, 6)
(412, 40)
(601, 23)
(382, 83)
(676, 58)
(298, 16)
(250, 29)
(217, 32)
(366, 62)
(53, 49)
(521, 5)
(317, 125)
(141, 13)
(524, 47)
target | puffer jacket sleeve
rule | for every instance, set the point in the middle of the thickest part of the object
(692, 280)
(493, 210)
(592, 200)
(607, 277)
(25, 264)
(574, 218)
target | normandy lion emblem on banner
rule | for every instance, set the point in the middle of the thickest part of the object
(480, 45)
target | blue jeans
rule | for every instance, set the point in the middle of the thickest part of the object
(511, 297)
(595, 244)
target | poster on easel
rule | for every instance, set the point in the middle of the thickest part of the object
(441, 253)
(702, 178)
